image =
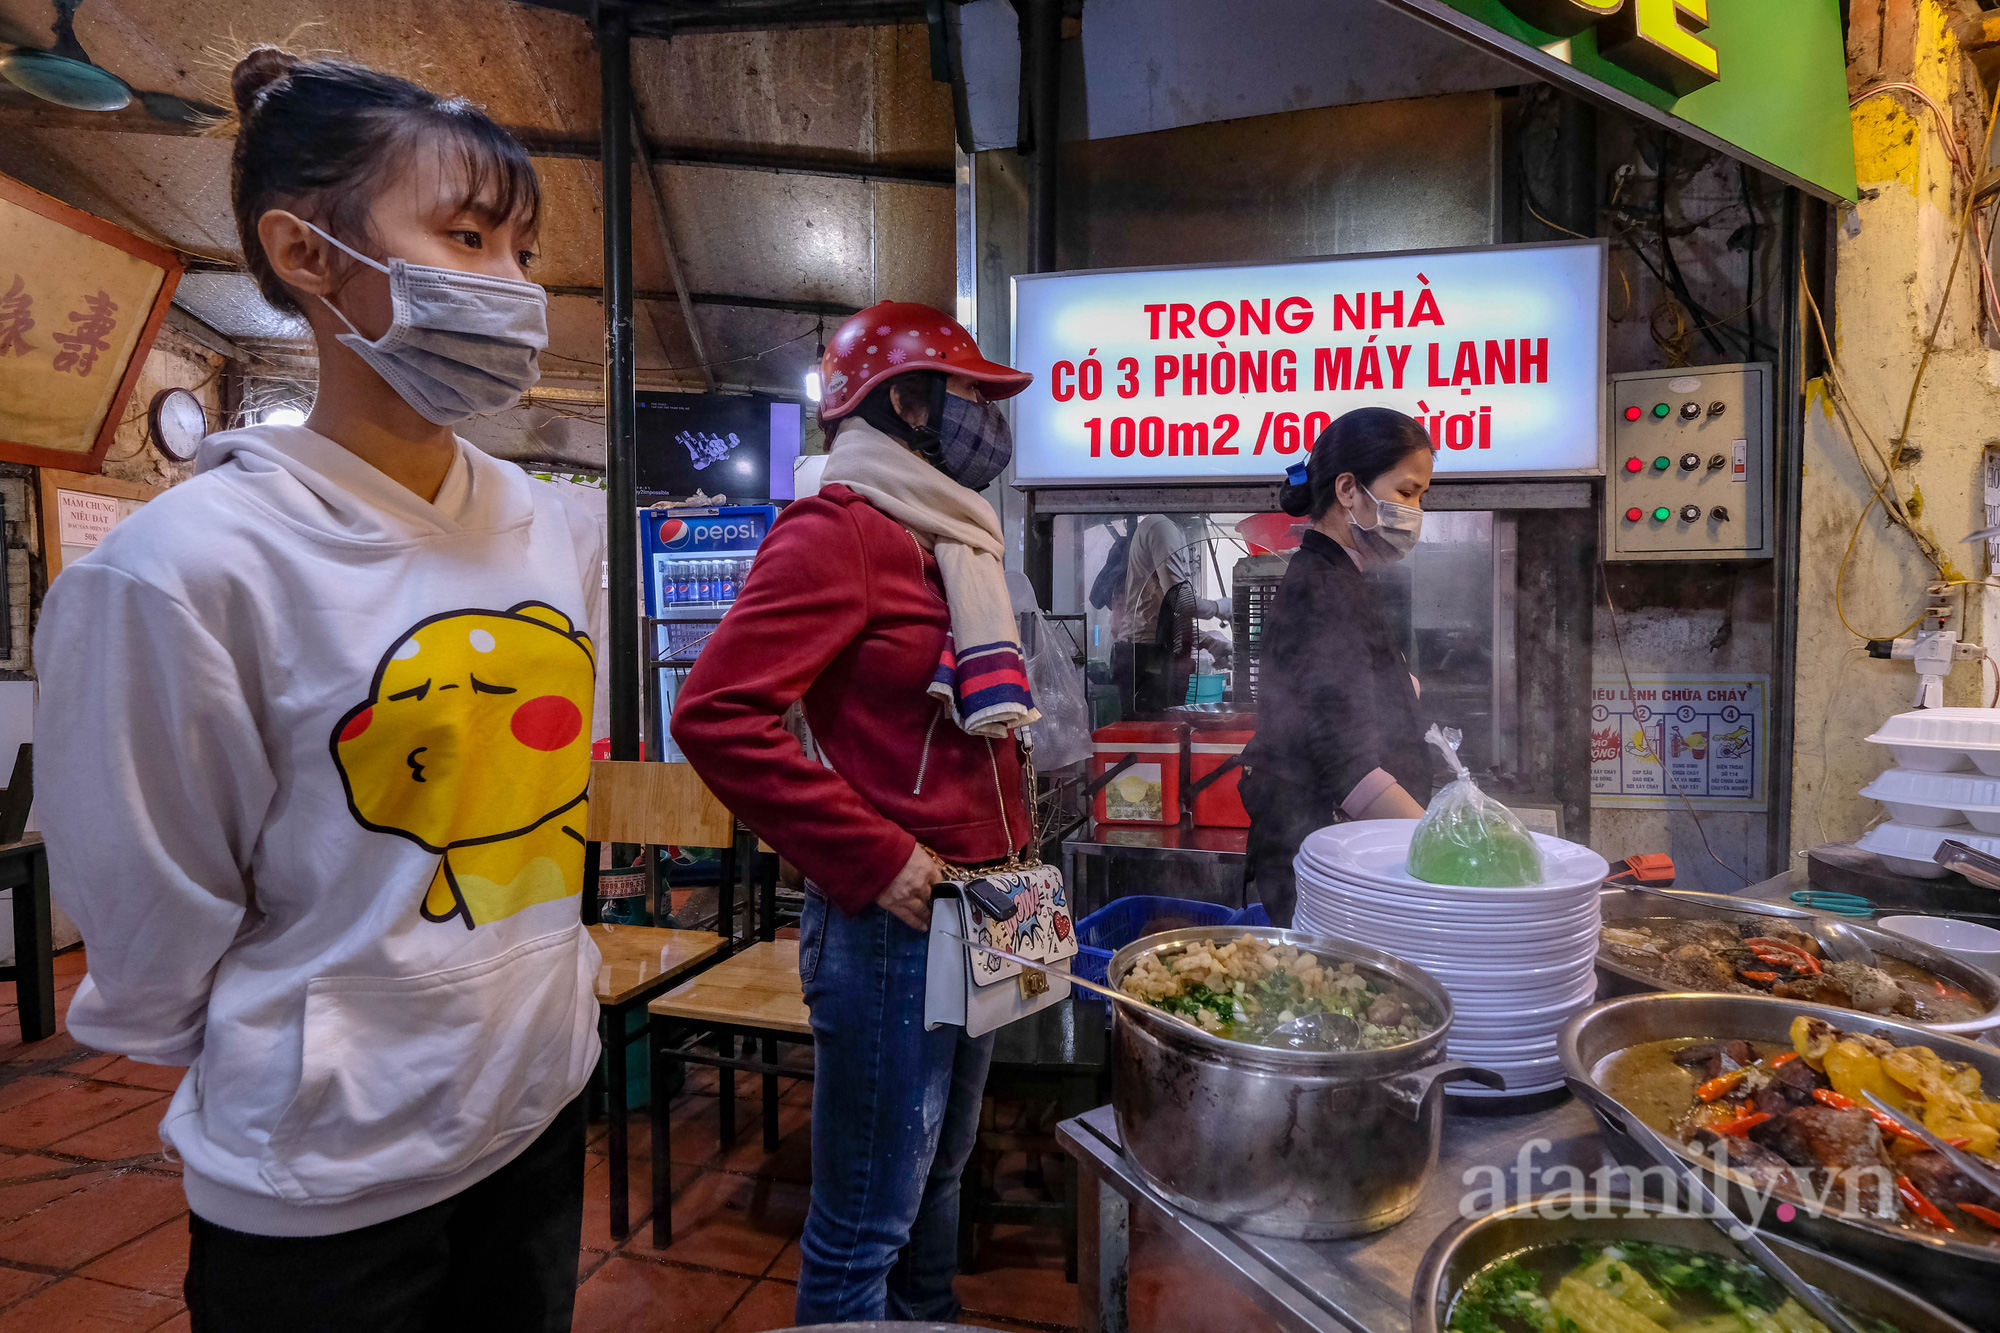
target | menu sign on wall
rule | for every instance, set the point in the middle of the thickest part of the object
(1228, 373)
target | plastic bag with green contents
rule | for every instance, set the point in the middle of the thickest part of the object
(1467, 837)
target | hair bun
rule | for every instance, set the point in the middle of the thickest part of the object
(257, 71)
(1295, 499)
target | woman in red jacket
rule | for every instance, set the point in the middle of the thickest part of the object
(881, 605)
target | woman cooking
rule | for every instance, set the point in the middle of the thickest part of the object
(1338, 736)
(1157, 634)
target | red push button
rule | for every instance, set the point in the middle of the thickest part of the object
(1634, 465)
(1634, 413)
(1634, 515)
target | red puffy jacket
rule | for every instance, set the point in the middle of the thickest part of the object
(845, 609)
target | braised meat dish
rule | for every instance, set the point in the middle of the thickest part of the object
(1767, 956)
(1794, 1121)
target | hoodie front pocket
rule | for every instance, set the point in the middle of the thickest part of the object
(405, 1079)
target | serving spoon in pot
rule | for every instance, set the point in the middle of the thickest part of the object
(1057, 973)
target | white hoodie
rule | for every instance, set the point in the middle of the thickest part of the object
(311, 756)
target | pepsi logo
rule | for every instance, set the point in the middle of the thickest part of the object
(675, 534)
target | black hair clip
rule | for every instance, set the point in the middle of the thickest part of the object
(1296, 474)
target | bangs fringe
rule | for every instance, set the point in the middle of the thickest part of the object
(500, 181)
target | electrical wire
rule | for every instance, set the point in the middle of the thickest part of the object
(1618, 638)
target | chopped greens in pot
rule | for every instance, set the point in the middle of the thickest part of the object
(1630, 1286)
(1247, 988)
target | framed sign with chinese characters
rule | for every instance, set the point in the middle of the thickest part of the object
(80, 304)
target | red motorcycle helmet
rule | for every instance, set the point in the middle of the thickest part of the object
(894, 337)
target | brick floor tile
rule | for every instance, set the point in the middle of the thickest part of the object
(28, 1087)
(19, 1197)
(634, 1296)
(1042, 1295)
(180, 1323)
(597, 1200)
(134, 1134)
(155, 1262)
(70, 1110)
(18, 1282)
(695, 1128)
(78, 1305)
(69, 963)
(768, 1306)
(89, 1063)
(736, 1223)
(54, 1050)
(786, 1265)
(77, 1228)
(134, 1074)
(794, 1139)
(587, 1261)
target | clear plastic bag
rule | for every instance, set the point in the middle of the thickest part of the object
(1062, 736)
(1468, 838)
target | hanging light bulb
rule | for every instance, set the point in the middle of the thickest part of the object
(819, 356)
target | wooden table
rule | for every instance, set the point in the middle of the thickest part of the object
(24, 868)
(638, 963)
(755, 994)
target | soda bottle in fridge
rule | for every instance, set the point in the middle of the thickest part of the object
(725, 582)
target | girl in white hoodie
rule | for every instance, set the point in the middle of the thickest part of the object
(313, 742)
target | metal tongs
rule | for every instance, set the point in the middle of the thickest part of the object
(1983, 1174)
(1979, 867)
(1712, 1208)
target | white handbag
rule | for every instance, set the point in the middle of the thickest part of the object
(975, 990)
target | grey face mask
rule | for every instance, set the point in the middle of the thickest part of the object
(458, 345)
(974, 442)
(1397, 527)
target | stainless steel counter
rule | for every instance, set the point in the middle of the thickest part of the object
(1362, 1284)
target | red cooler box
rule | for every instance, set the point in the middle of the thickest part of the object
(1218, 804)
(1148, 791)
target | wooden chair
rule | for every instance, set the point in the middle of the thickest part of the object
(24, 869)
(648, 804)
(755, 994)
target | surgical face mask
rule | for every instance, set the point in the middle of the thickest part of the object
(1396, 529)
(975, 443)
(458, 345)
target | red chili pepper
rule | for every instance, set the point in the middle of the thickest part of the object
(1829, 1097)
(1922, 1206)
(1758, 976)
(1742, 1125)
(1720, 1084)
(1789, 955)
(1987, 1215)
(1785, 1059)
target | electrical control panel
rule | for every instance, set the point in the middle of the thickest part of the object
(1689, 467)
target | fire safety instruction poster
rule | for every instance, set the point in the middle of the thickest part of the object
(1660, 739)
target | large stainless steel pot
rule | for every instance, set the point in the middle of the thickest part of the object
(1622, 908)
(1962, 1277)
(1304, 1145)
(1468, 1246)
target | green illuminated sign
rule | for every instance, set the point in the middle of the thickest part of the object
(1763, 79)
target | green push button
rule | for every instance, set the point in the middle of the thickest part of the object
(1662, 514)
(1662, 463)
(1661, 409)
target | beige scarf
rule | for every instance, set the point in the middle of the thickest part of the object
(981, 673)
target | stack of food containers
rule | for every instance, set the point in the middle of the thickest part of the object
(1946, 784)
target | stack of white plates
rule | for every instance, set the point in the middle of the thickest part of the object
(1519, 963)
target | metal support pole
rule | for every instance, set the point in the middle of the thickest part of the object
(1576, 167)
(1790, 411)
(621, 417)
(1041, 85)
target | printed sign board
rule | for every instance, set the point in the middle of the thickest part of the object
(1228, 372)
(1666, 742)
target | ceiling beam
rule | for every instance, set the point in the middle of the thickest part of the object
(818, 309)
(655, 18)
(19, 111)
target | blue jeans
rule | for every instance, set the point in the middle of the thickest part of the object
(895, 1118)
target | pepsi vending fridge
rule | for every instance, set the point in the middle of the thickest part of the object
(694, 561)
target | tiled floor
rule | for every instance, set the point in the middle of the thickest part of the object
(93, 1226)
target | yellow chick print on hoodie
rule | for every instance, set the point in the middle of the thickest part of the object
(474, 743)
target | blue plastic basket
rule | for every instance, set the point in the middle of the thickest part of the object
(1253, 915)
(1122, 920)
